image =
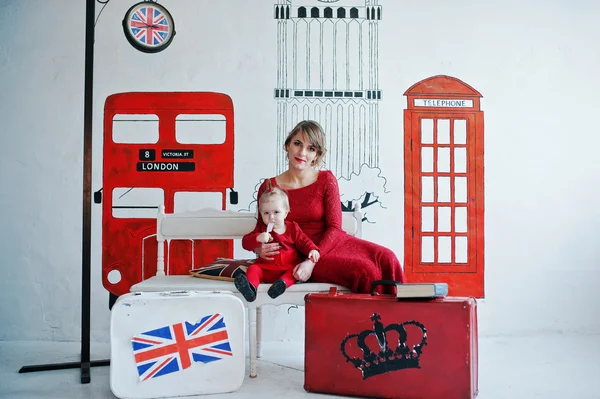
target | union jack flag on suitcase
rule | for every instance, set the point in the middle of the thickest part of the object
(173, 348)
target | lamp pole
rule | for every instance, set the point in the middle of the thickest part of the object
(90, 14)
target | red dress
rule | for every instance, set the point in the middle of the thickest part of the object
(345, 260)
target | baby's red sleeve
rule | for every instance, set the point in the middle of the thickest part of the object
(301, 240)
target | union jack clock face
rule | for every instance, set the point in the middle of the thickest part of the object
(149, 27)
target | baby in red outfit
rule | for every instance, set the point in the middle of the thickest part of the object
(273, 208)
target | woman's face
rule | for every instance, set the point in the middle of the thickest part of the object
(301, 152)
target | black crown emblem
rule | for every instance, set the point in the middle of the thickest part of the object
(390, 356)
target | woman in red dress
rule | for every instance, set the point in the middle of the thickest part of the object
(315, 205)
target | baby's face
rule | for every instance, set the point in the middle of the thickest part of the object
(273, 211)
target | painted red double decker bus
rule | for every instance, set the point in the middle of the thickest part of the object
(171, 148)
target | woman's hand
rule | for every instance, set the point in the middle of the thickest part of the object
(267, 251)
(303, 271)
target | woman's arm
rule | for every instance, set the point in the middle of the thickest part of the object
(333, 215)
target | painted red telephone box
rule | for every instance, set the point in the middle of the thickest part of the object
(171, 148)
(444, 192)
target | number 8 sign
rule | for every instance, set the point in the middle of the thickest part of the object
(147, 155)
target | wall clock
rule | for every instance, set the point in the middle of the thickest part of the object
(149, 27)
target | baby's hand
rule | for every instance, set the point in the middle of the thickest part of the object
(264, 237)
(314, 255)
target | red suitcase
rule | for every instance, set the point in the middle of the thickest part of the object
(383, 347)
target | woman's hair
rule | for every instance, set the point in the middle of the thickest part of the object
(315, 134)
(271, 193)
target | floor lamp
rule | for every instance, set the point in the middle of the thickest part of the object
(85, 363)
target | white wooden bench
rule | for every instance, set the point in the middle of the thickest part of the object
(217, 224)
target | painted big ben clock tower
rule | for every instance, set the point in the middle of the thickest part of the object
(328, 71)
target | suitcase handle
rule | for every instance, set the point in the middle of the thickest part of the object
(175, 293)
(375, 283)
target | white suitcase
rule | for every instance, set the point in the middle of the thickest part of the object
(168, 344)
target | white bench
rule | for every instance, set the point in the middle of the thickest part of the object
(217, 224)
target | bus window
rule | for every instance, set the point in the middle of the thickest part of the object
(200, 129)
(194, 201)
(135, 129)
(136, 202)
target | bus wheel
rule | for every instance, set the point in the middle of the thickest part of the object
(112, 298)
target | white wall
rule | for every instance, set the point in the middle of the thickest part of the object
(534, 62)
(41, 81)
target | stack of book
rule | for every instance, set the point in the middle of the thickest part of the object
(421, 290)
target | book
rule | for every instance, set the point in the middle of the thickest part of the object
(421, 290)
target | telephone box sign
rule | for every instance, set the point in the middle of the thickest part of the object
(441, 103)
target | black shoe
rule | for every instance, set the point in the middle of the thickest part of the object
(276, 289)
(245, 287)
